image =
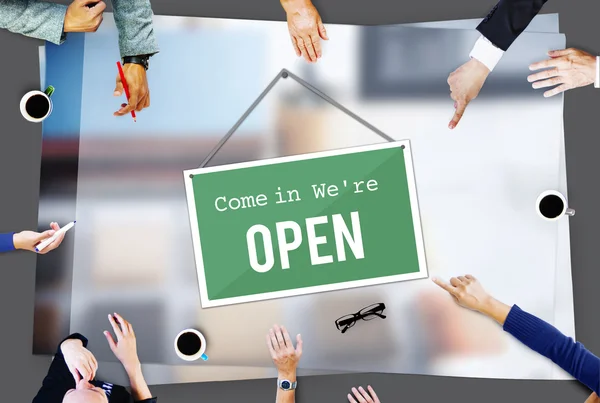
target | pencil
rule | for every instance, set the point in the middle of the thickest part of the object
(125, 88)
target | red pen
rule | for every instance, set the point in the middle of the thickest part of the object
(125, 88)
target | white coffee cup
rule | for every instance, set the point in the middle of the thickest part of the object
(45, 112)
(552, 205)
(197, 355)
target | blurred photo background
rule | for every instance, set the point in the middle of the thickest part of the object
(122, 181)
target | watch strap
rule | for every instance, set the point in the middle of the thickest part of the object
(142, 60)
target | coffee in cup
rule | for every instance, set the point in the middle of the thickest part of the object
(190, 345)
(551, 205)
(36, 105)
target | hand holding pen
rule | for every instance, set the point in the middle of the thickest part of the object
(132, 80)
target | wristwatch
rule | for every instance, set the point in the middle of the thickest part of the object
(142, 60)
(284, 384)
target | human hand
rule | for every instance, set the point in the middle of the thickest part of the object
(284, 355)
(137, 83)
(81, 362)
(465, 83)
(593, 398)
(306, 28)
(125, 347)
(84, 16)
(571, 68)
(362, 396)
(28, 240)
(468, 293)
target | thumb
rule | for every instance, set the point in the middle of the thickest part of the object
(299, 345)
(118, 87)
(460, 110)
(75, 373)
(44, 235)
(560, 52)
(322, 31)
(111, 342)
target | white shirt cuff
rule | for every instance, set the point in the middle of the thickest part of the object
(486, 52)
(597, 82)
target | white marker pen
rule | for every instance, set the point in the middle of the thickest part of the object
(58, 233)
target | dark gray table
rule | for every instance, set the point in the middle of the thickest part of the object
(20, 144)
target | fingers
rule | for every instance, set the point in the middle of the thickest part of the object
(270, 346)
(373, 394)
(470, 277)
(304, 44)
(274, 341)
(463, 279)
(543, 74)
(366, 396)
(351, 399)
(561, 52)
(556, 62)
(90, 367)
(299, 345)
(111, 341)
(56, 243)
(96, 23)
(85, 2)
(286, 337)
(118, 87)
(444, 285)
(115, 327)
(322, 31)
(557, 90)
(126, 327)
(359, 397)
(53, 245)
(548, 83)
(138, 99)
(458, 113)
(455, 282)
(316, 42)
(85, 370)
(44, 235)
(98, 8)
(132, 104)
(94, 365)
(279, 336)
(75, 374)
(295, 45)
(310, 47)
(141, 104)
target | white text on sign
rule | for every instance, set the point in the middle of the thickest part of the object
(323, 190)
(342, 234)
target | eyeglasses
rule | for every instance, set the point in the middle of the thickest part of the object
(369, 313)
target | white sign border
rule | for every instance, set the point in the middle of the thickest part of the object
(207, 303)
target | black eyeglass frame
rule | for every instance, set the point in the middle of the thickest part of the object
(347, 321)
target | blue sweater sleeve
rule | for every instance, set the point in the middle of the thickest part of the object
(548, 341)
(6, 242)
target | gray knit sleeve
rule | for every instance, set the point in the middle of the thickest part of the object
(37, 19)
(134, 22)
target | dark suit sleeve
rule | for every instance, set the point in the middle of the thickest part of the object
(59, 379)
(508, 19)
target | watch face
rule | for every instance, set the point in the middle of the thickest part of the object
(285, 385)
